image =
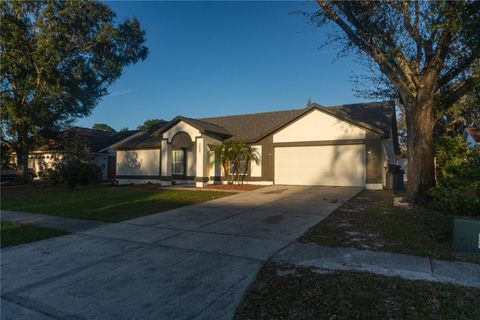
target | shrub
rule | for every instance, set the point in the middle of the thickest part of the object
(74, 172)
(458, 173)
(50, 175)
(75, 169)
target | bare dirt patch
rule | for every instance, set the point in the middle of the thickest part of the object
(286, 292)
(371, 221)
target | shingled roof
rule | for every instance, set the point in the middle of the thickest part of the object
(375, 116)
(142, 139)
(249, 127)
(202, 126)
(97, 140)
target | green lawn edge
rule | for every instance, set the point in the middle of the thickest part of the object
(102, 203)
(14, 233)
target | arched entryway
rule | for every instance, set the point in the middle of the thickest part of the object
(182, 158)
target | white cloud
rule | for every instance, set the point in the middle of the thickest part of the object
(122, 92)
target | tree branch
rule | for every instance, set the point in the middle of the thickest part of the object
(366, 45)
(10, 144)
(455, 71)
(413, 30)
(459, 90)
(436, 63)
(399, 62)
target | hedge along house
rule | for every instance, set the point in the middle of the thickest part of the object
(347, 145)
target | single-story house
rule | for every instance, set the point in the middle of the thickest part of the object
(345, 145)
(472, 136)
(98, 142)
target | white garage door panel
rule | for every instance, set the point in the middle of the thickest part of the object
(339, 165)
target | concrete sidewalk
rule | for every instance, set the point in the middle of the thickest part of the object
(385, 263)
(62, 223)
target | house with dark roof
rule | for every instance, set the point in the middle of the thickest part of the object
(472, 137)
(345, 145)
(97, 142)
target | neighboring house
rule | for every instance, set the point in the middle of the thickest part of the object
(472, 136)
(346, 145)
(99, 144)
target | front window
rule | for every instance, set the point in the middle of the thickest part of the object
(178, 162)
(242, 170)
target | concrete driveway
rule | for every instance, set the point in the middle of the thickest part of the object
(190, 263)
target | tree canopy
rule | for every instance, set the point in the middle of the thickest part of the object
(462, 114)
(58, 59)
(151, 123)
(427, 51)
(103, 127)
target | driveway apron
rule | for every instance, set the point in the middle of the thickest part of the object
(189, 263)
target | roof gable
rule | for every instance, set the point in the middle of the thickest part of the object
(179, 127)
(202, 126)
(318, 125)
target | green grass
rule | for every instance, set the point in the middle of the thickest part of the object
(282, 292)
(14, 233)
(376, 224)
(104, 203)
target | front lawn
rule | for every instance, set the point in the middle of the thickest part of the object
(14, 233)
(104, 203)
(283, 292)
(370, 221)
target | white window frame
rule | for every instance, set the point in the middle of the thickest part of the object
(174, 162)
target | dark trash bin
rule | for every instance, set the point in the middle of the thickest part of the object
(400, 180)
(394, 175)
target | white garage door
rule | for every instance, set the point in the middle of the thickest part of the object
(338, 165)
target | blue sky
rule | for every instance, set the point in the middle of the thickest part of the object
(218, 58)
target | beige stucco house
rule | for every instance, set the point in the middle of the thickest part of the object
(346, 145)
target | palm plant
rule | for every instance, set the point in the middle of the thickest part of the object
(247, 154)
(235, 153)
(223, 156)
(242, 152)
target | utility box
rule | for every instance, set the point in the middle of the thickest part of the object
(466, 234)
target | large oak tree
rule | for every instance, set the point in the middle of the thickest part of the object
(428, 51)
(58, 59)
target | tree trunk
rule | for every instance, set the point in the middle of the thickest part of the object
(225, 172)
(22, 158)
(421, 168)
